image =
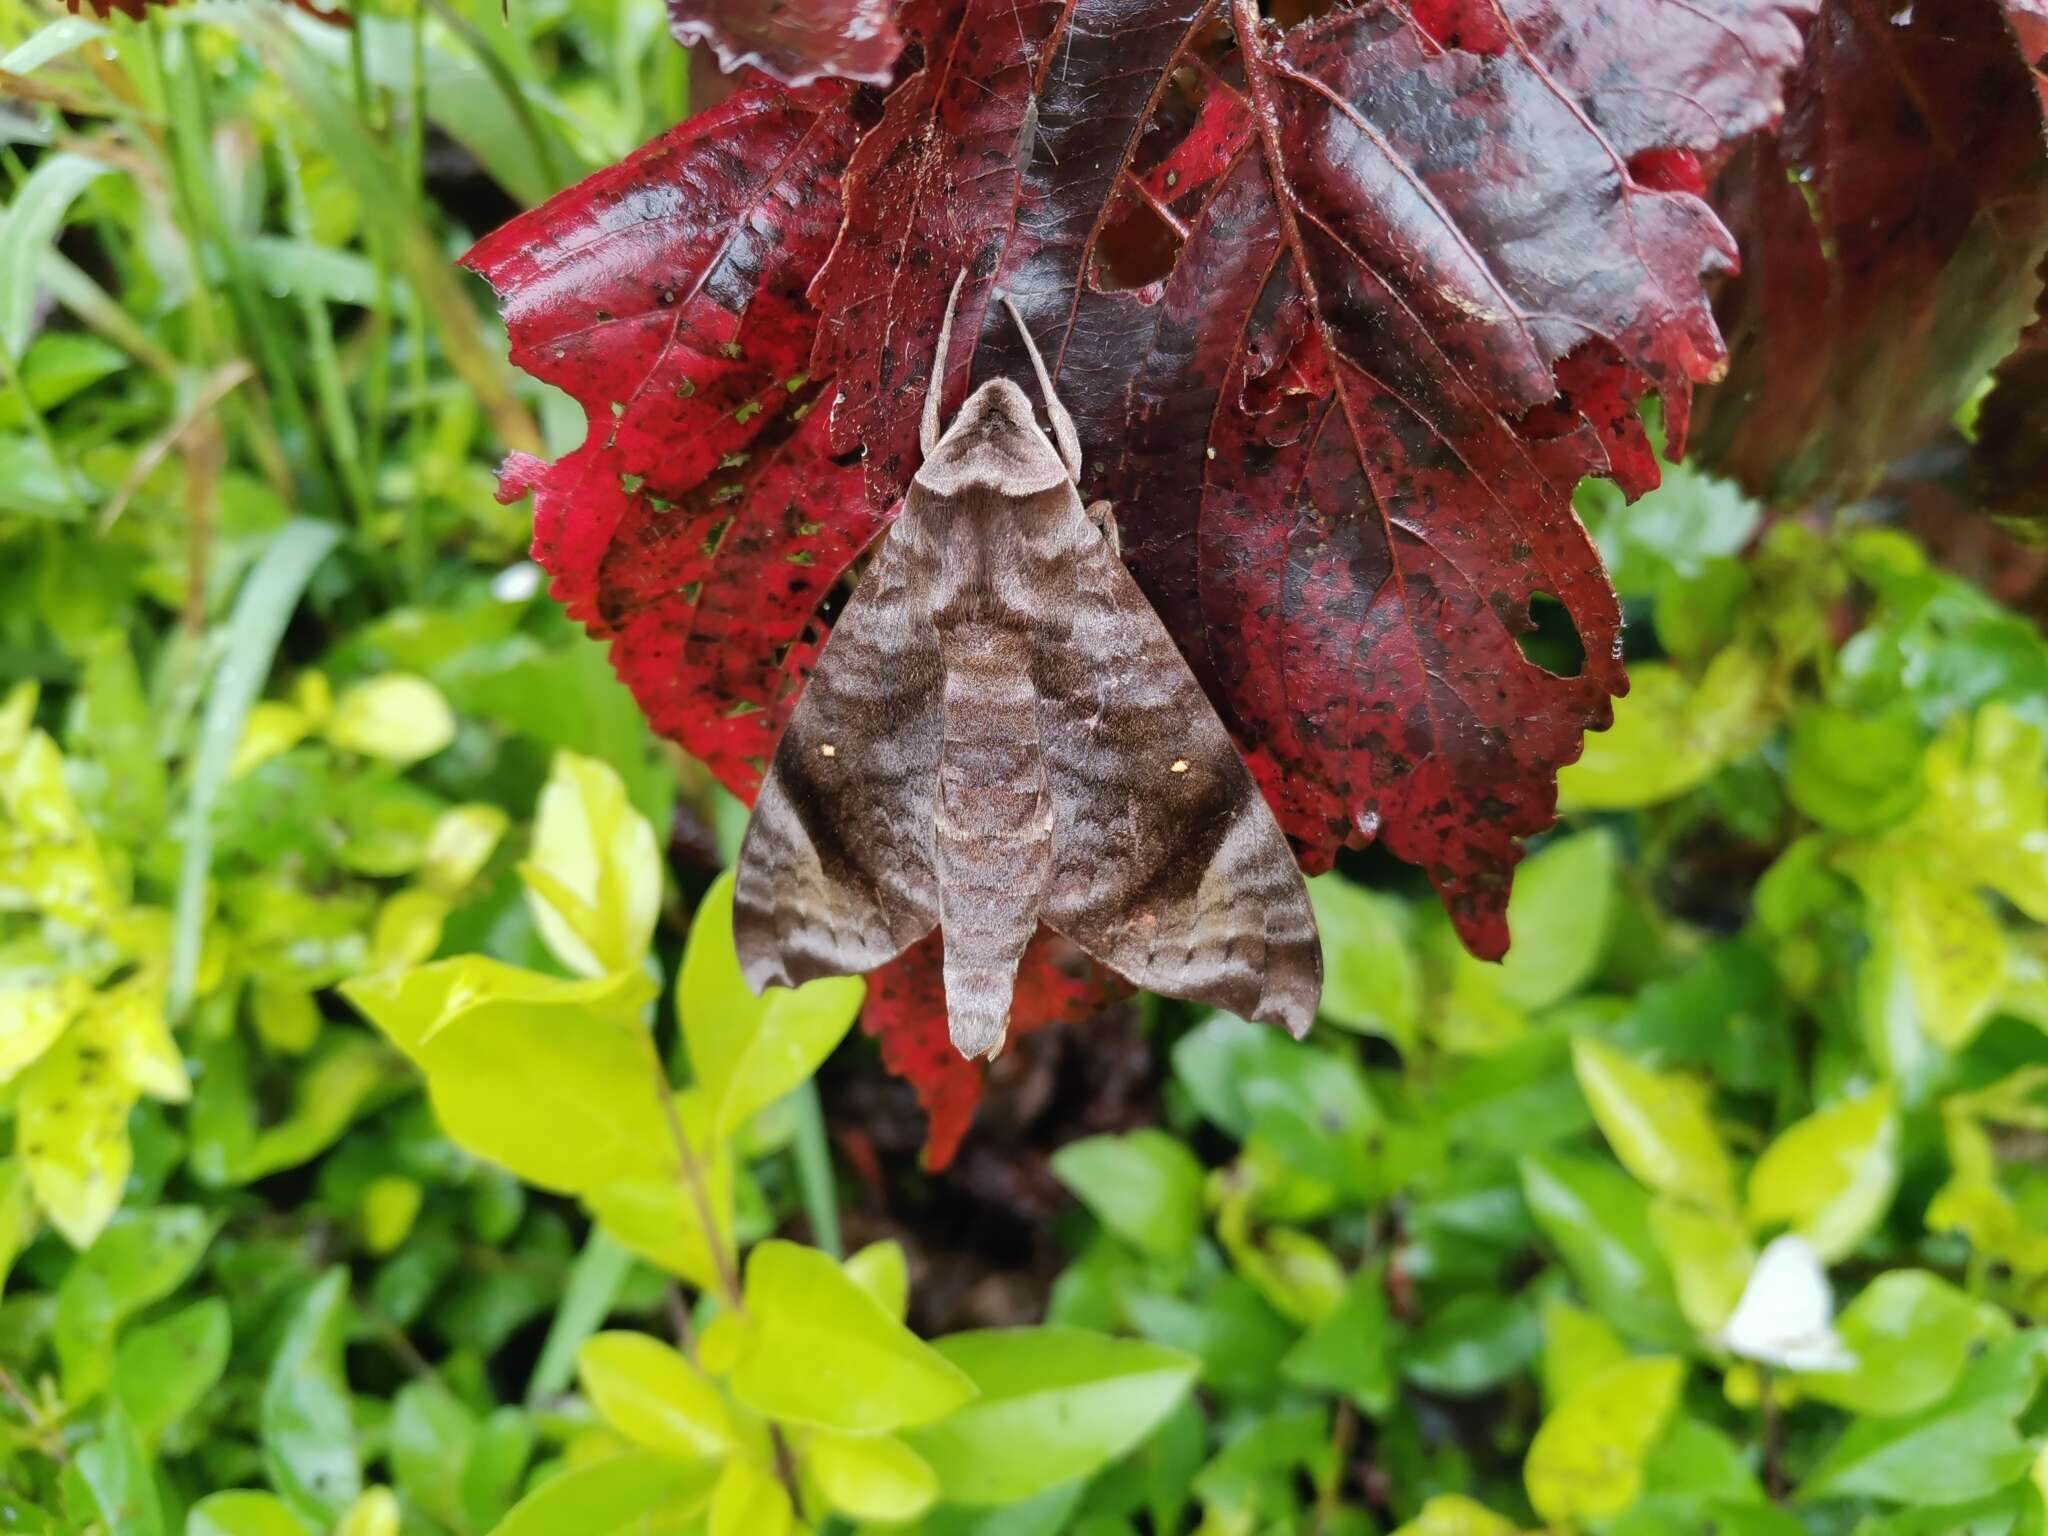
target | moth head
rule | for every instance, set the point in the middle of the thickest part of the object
(994, 444)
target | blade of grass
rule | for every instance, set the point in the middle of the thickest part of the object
(262, 608)
(593, 1285)
(414, 249)
(188, 98)
(814, 1170)
(336, 416)
(34, 215)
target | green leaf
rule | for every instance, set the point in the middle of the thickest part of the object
(245, 1512)
(654, 1397)
(634, 1495)
(1559, 913)
(1911, 1333)
(883, 1272)
(1372, 981)
(1843, 769)
(553, 1079)
(1472, 1344)
(1938, 941)
(748, 1500)
(141, 1258)
(116, 1468)
(1351, 1350)
(1710, 1258)
(1670, 733)
(819, 1350)
(1586, 1461)
(269, 594)
(593, 879)
(162, 1371)
(749, 1051)
(1830, 1176)
(1599, 1221)
(1145, 1186)
(1054, 1404)
(1452, 1514)
(872, 1477)
(428, 1440)
(1963, 1447)
(1577, 1346)
(29, 233)
(1658, 1125)
(309, 1445)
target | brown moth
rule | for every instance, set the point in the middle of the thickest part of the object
(1000, 732)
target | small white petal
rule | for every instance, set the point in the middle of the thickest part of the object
(516, 583)
(1786, 1315)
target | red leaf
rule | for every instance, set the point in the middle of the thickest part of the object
(795, 41)
(1343, 316)
(2010, 462)
(701, 524)
(906, 1013)
(1893, 227)
(1386, 252)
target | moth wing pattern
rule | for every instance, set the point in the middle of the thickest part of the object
(1167, 864)
(835, 872)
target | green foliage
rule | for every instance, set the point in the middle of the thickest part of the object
(392, 1147)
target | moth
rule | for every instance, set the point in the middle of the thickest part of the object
(999, 732)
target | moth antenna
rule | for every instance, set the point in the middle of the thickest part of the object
(1062, 424)
(928, 430)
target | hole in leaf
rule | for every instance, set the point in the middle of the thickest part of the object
(1552, 641)
(1138, 248)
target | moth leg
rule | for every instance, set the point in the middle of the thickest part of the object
(1103, 516)
(1063, 434)
(928, 429)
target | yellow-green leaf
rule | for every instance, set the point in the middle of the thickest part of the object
(749, 1500)
(1669, 733)
(822, 1351)
(396, 717)
(1951, 952)
(593, 879)
(32, 1017)
(1577, 1346)
(272, 729)
(460, 845)
(1452, 1514)
(881, 1270)
(1710, 1257)
(554, 1079)
(653, 1396)
(748, 1051)
(1657, 1123)
(1586, 1462)
(72, 1127)
(1830, 1177)
(871, 1477)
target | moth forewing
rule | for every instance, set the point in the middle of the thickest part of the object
(1000, 733)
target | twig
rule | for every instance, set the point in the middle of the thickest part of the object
(222, 383)
(1774, 1469)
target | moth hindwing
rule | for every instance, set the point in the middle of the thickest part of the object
(1000, 733)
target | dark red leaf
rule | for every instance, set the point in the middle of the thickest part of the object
(1892, 229)
(906, 1014)
(1343, 315)
(1316, 423)
(795, 41)
(2010, 462)
(701, 524)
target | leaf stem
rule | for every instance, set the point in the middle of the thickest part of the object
(694, 1181)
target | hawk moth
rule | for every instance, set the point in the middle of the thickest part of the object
(1000, 732)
